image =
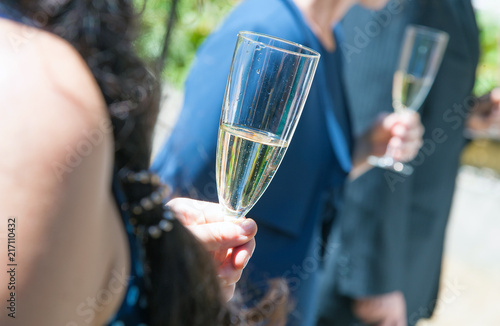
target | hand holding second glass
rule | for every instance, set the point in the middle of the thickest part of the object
(395, 136)
(421, 55)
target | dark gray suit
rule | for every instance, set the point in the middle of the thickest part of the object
(389, 232)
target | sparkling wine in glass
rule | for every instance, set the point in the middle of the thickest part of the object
(266, 91)
(421, 55)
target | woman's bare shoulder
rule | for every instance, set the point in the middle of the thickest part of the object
(56, 170)
(46, 62)
(48, 93)
(51, 105)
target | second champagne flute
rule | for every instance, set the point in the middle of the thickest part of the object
(266, 91)
(420, 58)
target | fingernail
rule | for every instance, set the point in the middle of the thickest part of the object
(246, 261)
(247, 227)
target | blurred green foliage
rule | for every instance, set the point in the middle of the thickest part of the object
(485, 153)
(488, 70)
(195, 20)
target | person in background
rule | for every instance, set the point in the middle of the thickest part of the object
(290, 214)
(485, 116)
(90, 241)
(390, 230)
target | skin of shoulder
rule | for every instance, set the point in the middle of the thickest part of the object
(56, 166)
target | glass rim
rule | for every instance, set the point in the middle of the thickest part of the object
(312, 54)
(429, 31)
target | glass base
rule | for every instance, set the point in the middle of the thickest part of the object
(388, 163)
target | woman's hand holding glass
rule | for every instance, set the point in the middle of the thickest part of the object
(267, 87)
(230, 240)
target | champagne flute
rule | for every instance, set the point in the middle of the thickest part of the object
(421, 55)
(267, 87)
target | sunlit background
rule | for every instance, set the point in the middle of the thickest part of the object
(470, 287)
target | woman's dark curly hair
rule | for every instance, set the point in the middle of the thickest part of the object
(183, 287)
